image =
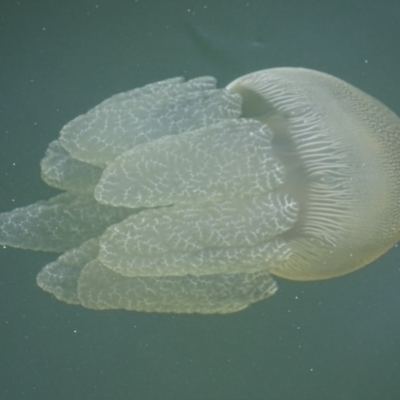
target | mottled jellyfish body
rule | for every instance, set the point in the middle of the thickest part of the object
(181, 197)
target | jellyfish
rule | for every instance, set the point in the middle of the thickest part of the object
(183, 197)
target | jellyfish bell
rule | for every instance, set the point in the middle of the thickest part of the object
(181, 197)
(345, 146)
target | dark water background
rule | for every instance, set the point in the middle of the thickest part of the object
(331, 340)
